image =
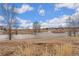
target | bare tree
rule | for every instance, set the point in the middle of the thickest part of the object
(68, 22)
(16, 25)
(9, 15)
(36, 27)
(71, 25)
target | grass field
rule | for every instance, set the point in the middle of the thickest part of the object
(65, 46)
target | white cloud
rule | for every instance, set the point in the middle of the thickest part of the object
(31, 26)
(24, 8)
(74, 6)
(1, 24)
(24, 23)
(75, 19)
(61, 5)
(55, 22)
(67, 5)
(61, 21)
(42, 12)
(58, 22)
(1, 18)
(44, 25)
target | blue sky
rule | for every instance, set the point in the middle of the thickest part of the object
(48, 14)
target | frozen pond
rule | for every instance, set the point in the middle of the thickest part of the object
(43, 35)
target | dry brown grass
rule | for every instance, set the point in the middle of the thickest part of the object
(30, 48)
(43, 49)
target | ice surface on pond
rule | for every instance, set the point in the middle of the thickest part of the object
(43, 35)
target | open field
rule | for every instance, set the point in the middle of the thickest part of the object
(41, 44)
(66, 46)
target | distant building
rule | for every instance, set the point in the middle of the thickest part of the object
(36, 27)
